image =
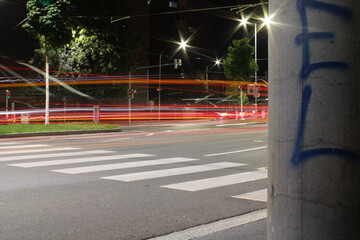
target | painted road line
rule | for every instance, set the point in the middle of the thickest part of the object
(114, 140)
(203, 230)
(79, 160)
(10, 143)
(52, 149)
(260, 196)
(106, 167)
(232, 124)
(240, 133)
(172, 172)
(215, 182)
(23, 146)
(51, 155)
(238, 151)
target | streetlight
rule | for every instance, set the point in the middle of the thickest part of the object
(217, 62)
(183, 46)
(266, 21)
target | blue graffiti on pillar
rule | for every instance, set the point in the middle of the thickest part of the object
(304, 39)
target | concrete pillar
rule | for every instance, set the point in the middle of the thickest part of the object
(314, 120)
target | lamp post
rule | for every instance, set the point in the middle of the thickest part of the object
(256, 90)
(183, 46)
(206, 73)
(266, 21)
(159, 89)
(217, 62)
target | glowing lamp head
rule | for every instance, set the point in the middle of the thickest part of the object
(267, 21)
(183, 45)
(244, 21)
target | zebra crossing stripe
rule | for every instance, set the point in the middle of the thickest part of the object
(51, 149)
(238, 151)
(260, 196)
(123, 165)
(77, 160)
(51, 155)
(23, 146)
(215, 182)
(172, 172)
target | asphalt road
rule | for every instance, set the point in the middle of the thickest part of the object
(144, 182)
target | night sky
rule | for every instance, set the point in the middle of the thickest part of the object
(15, 42)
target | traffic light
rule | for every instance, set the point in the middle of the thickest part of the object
(8, 94)
(177, 63)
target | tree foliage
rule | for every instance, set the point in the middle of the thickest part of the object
(47, 21)
(93, 53)
(239, 63)
(97, 46)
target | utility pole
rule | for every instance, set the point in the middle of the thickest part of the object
(314, 113)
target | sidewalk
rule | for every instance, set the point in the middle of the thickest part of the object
(251, 231)
(250, 226)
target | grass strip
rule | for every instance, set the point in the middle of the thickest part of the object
(29, 128)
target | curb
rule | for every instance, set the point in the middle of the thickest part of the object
(214, 227)
(32, 134)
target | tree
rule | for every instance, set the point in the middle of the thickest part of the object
(105, 48)
(97, 46)
(93, 53)
(239, 64)
(47, 21)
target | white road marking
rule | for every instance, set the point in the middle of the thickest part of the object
(23, 146)
(51, 149)
(116, 139)
(150, 134)
(172, 172)
(215, 182)
(85, 136)
(10, 143)
(232, 124)
(99, 168)
(50, 155)
(240, 133)
(262, 168)
(78, 160)
(239, 151)
(203, 230)
(260, 195)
